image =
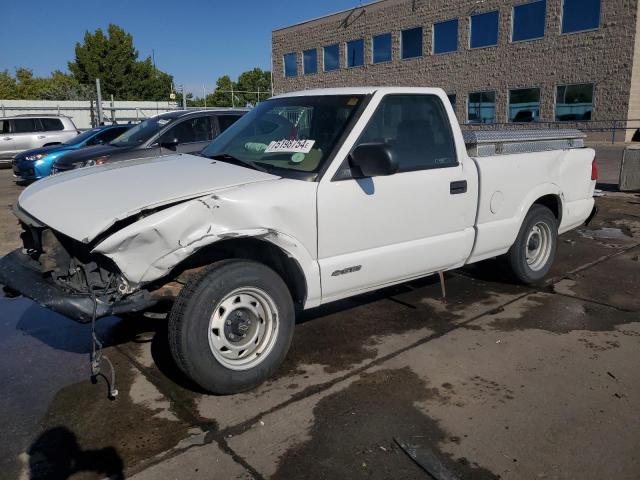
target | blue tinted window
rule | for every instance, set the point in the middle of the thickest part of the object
(528, 21)
(331, 57)
(524, 105)
(482, 107)
(310, 61)
(290, 65)
(412, 43)
(355, 53)
(574, 102)
(484, 30)
(578, 15)
(445, 36)
(381, 48)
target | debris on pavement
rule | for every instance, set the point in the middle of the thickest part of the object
(427, 460)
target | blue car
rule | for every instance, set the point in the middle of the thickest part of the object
(34, 164)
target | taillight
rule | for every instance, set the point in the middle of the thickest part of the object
(594, 170)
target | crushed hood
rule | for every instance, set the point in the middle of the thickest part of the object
(84, 203)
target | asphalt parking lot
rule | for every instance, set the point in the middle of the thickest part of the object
(501, 381)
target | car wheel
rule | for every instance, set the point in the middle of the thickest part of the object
(534, 250)
(231, 326)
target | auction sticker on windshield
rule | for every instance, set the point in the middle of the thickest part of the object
(290, 146)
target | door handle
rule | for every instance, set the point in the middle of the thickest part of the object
(7, 138)
(458, 187)
(40, 137)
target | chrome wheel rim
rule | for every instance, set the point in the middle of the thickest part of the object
(538, 246)
(243, 328)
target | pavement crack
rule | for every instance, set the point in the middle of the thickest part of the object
(186, 415)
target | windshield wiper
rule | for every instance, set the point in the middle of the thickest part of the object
(225, 157)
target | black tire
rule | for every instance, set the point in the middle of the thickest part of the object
(516, 257)
(189, 336)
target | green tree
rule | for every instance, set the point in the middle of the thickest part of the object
(221, 96)
(8, 87)
(113, 59)
(244, 90)
(253, 85)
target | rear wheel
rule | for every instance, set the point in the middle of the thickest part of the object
(534, 250)
(231, 326)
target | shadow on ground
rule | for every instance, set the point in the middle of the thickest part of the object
(56, 455)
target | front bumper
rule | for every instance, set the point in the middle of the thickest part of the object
(19, 273)
(31, 170)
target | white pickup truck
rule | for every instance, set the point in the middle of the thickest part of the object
(311, 197)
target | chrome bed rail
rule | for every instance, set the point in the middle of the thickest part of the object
(486, 143)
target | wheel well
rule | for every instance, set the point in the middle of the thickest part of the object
(252, 249)
(553, 203)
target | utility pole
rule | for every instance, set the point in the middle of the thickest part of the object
(99, 102)
(184, 99)
(233, 100)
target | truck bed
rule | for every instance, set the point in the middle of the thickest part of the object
(516, 167)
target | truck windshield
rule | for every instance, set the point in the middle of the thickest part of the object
(141, 132)
(287, 134)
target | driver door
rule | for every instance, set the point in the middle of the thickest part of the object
(383, 230)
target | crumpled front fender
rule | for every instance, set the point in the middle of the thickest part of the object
(149, 249)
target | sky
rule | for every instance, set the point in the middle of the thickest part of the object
(195, 41)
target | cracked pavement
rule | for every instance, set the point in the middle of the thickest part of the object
(501, 381)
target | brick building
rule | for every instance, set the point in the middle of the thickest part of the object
(499, 60)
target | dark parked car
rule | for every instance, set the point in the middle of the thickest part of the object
(181, 131)
(36, 163)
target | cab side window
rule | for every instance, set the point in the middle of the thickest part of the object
(24, 125)
(190, 131)
(417, 129)
(225, 121)
(4, 126)
(51, 124)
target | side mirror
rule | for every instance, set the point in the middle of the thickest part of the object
(169, 144)
(372, 160)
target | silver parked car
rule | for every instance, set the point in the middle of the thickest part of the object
(24, 132)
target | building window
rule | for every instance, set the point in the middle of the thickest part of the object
(580, 15)
(452, 100)
(484, 30)
(574, 102)
(524, 105)
(381, 48)
(290, 65)
(411, 43)
(482, 107)
(528, 21)
(445, 36)
(310, 61)
(355, 53)
(331, 57)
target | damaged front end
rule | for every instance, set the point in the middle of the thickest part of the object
(64, 275)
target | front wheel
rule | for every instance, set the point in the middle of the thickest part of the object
(534, 250)
(231, 327)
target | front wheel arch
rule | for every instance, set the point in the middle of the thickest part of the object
(261, 251)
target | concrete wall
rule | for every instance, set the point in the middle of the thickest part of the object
(80, 111)
(604, 57)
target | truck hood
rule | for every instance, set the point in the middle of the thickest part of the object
(84, 203)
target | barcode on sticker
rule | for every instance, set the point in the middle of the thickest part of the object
(290, 146)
